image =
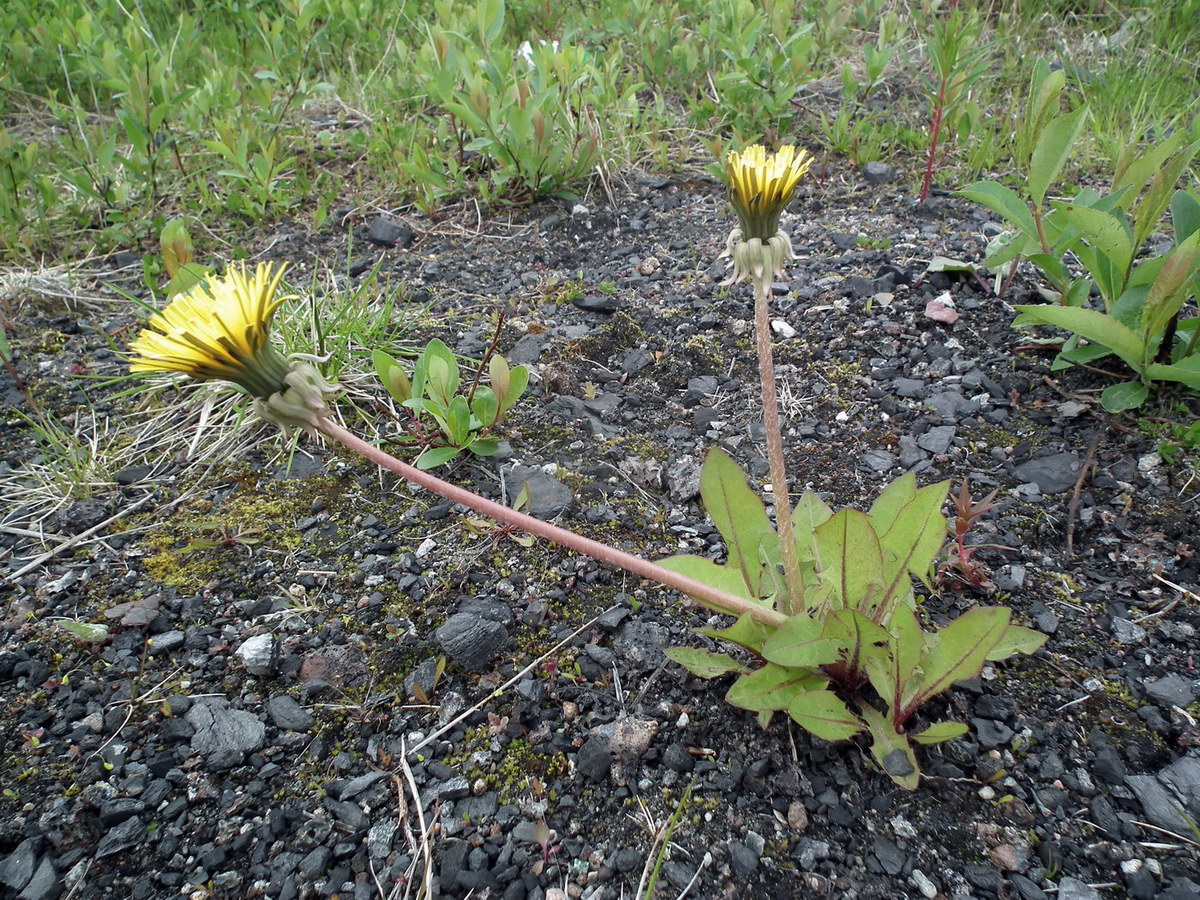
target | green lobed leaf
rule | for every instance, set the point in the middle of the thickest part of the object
(725, 578)
(1051, 150)
(1004, 202)
(738, 513)
(703, 663)
(1017, 639)
(1185, 371)
(860, 641)
(1171, 287)
(1126, 395)
(772, 687)
(1154, 202)
(1091, 324)
(958, 652)
(745, 632)
(824, 714)
(891, 749)
(913, 538)
(809, 512)
(940, 732)
(894, 669)
(800, 642)
(850, 558)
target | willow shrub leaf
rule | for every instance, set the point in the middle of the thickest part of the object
(463, 420)
(1051, 150)
(860, 628)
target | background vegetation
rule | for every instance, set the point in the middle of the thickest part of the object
(116, 116)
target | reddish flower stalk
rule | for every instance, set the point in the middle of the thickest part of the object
(706, 594)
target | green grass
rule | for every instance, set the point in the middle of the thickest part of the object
(115, 117)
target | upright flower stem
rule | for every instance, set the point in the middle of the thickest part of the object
(706, 594)
(793, 597)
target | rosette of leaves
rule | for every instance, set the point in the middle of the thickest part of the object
(856, 658)
(464, 421)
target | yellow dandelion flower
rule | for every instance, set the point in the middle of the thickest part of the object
(219, 329)
(762, 184)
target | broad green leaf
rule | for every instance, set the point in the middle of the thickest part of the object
(175, 245)
(1090, 324)
(433, 457)
(1051, 151)
(85, 631)
(725, 578)
(850, 558)
(1136, 166)
(738, 514)
(809, 512)
(958, 652)
(745, 632)
(393, 376)
(1017, 639)
(1185, 371)
(1109, 279)
(891, 500)
(1045, 89)
(940, 732)
(458, 421)
(484, 446)
(485, 406)
(518, 381)
(1154, 202)
(799, 642)
(1171, 287)
(891, 750)
(772, 687)
(1185, 215)
(1103, 231)
(895, 668)
(860, 641)
(1004, 202)
(824, 714)
(913, 538)
(1126, 395)
(704, 663)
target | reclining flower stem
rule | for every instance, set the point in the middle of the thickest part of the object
(711, 597)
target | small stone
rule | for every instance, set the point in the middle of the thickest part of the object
(548, 497)
(937, 439)
(122, 837)
(1172, 690)
(1052, 474)
(387, 233)
(593, 759)
(470, 641)
(923, 883)
(165, 642)
(797, 816)
(878, 172)
(1127, 632)
(992, 733)
(287, 713)
(598, 303)
(782, 329)
(1073, 889)
(18, 867)
(743, 860)
(223, 732)
(878, 460)
(258, 654)
(45, 883)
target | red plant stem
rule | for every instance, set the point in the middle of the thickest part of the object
(794, 595)
(936, 129)
(706, 594)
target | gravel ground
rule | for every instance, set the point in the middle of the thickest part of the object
(317, 683)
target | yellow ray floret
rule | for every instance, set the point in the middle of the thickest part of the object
(220, 329)
(762, 184)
